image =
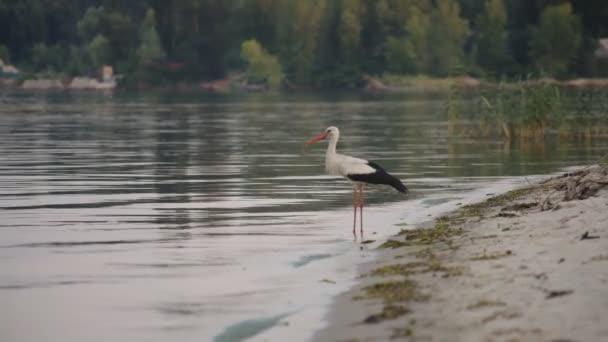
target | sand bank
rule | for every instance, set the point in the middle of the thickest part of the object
(528, 265)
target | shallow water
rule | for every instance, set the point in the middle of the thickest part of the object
(174, 217)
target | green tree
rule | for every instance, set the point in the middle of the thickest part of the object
(417, 45)
(375, 32)
(338, 61)
(150, 47)
(116, 29)
(91, 23)
(298, 26)
(557, 39)
(447, 36)
(398, 56)
(491, 51)
(46, 58)
(329, 43)
(5, 55)
(99, 51)
(349, 28)
(79, 62)
(121, 34)
(262, 66)
(200, 33)
(22, 25)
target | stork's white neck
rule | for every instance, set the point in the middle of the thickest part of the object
(332, 165)
(331, 147)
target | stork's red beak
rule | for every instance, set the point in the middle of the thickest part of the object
(317, 138)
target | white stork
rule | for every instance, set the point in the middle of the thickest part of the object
(359, 171)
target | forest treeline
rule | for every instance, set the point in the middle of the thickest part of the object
(311, 43)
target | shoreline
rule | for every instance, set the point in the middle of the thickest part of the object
(386, 84)
(530, 264)
(307, 320)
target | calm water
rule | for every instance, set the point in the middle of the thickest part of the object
(185, 218)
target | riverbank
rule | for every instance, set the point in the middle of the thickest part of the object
(237, 83)
(530, 264)
(425, 84)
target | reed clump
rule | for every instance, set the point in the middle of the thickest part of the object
(585, 115)
(520, 110)
(529, 110)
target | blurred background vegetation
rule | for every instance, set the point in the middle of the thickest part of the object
(308, 44)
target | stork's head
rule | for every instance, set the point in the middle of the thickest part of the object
(330, 132)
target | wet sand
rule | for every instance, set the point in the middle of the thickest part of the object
(528, 265)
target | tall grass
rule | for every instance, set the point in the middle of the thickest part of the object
(586, 115)
(521, 109)
(529, 110)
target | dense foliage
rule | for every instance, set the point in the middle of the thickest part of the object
(320, 43)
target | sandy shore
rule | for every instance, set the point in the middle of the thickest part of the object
(529, 265)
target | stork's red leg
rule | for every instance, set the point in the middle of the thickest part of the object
(355, 212)
(361, 210)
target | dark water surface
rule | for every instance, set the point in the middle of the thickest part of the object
(189, 218)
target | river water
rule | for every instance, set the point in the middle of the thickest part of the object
(199, 218)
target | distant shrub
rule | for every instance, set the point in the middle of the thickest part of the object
(262, 66)
(99, 51)
(48, 58)
(5, 54)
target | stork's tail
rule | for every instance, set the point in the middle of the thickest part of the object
(396, 183)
